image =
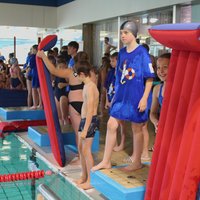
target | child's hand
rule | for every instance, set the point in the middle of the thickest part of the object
(60, 85)
(142, 105)
(83, 134)
(107, 105)
(28, 69)
(40, 54)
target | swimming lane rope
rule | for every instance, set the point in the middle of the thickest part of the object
(24, 176)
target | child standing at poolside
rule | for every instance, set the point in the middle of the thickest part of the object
(16, 81)
(158, 91)
(89, 122)
(134, 77)
(110, 91)
(36, 93)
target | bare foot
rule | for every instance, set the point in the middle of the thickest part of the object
(101, 165)
(85, 186)
(39, 107)
(132, 167)
(145, 154)
(40, 197)
(33, 108)
(118, 148)
(145, 158)
(80, 180)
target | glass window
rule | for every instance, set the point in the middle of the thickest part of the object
(108, 28)
(25, 38)
(186, 14)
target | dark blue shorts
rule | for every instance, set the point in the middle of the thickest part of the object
(92, 128)
(15, 82)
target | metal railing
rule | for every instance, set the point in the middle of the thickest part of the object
(46, 192)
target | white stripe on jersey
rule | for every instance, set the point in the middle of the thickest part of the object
(151, 68)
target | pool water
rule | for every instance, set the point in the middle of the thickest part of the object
(14, 157)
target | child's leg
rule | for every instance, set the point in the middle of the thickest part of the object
(29, 88)
(58, 110)
(137, 147)
(40, 99)
(64, 108)
(145, 153)
(75, 118)
(112, 126)
(122, 132)
(83, 177)
(89, 161)
(35, 98)
(102, 101)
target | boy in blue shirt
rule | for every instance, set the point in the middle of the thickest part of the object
(134, 77)
(110, 91)
(72, 50)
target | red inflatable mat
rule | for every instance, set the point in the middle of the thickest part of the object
(15, 126)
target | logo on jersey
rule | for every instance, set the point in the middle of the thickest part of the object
(127, 73)
(151, 68)
(111, 91)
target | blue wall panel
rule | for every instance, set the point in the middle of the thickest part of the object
(62, 2)
(13, 98)
(53, 3)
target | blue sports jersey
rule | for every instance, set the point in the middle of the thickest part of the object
(132, 70)
(32, 64)
(110, 84)
(160, 97)
(27, 65)
(71, 63)
(34, 72)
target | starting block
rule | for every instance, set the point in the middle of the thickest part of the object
(118, 185)
(40, 136)
(14, 113)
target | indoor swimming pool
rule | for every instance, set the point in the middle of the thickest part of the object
(16, 157)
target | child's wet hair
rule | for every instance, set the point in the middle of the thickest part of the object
(114, 55)
(73, 44)
(52, 59)
(60, 59)
(35, 46)
(165, 55)
(81, 56)
(84, 67)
